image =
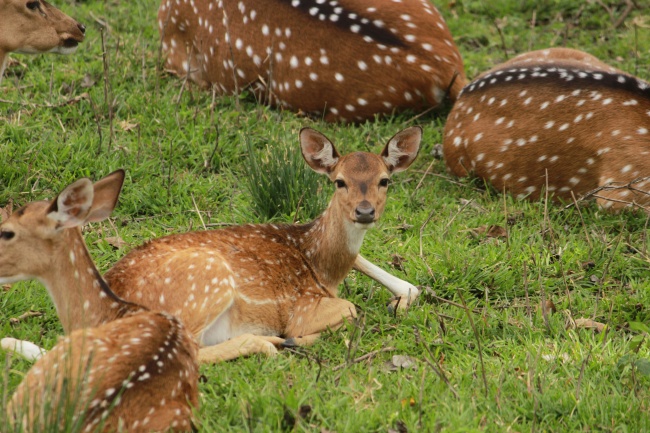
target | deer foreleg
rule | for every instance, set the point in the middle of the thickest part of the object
(405, 291)
(26, 349)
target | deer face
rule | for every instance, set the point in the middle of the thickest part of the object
(33, 236)
(361, 181)
(24, 251)
(35, 26)
(361, 178)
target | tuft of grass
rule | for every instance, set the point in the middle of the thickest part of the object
(280, 183)
(60, 402)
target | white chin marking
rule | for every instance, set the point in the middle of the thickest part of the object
(355, 233)
(63, 50)
(68, 50)
(14, 278)
(55, 50)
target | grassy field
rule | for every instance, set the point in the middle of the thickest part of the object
(499, 364)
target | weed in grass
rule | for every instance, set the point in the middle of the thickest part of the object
(53, 404)
(280, 183)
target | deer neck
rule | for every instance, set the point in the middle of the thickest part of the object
(332, 243)
(81, 296)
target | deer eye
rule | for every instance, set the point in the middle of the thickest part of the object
(384, 182)
(33, 5)
(6, 235)
(339, 183)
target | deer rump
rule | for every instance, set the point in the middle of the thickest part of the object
(566, 125)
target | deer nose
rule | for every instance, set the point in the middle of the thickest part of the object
(364, 213)
(81, 28)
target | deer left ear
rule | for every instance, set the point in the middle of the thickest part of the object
(71, 207)
(318, 151)
(402, 149)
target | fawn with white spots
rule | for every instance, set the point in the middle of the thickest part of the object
(340, 60)
(34, 27)
(133, 370)
(245, 289)
(556, 119)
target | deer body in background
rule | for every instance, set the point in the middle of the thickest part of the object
(557, 120)
(344, 60)
(34, 27)
(246, 289)
(134, 369)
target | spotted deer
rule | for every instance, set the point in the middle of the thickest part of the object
(133, 370)
(247, 289)
(556, 120)
(34, 27)
(341, 60)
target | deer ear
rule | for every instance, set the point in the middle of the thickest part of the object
(71, 207)
(7, 211)
(106, 193)
(402, 149)
(318, 151)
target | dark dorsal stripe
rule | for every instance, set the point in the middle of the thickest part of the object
(331, 12)
(569, 78)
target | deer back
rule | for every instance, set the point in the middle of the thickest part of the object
(137, 373)
(563, 121)
(343, 60)
(250, 276)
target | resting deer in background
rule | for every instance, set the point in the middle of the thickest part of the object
(134, 370)
(247, 289)
(34, 27)
(342, 60)
(557, 120)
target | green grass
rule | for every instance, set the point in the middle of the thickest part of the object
(184, 155)
(280, 183)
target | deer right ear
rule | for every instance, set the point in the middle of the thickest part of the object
(318, 151)
(402, 149)
(106, 193)
(73, 204)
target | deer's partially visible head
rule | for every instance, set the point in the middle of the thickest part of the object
(35, 26)
(361, 178)
(34, 236)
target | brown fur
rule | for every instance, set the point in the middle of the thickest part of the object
(45, 29)
(139, 364)
(233, 285)
(96, 374)
(254, 44)
(562, 117)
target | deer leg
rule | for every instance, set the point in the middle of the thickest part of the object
(315, 317)
(26, 349)
(405, 292)
(242, 345)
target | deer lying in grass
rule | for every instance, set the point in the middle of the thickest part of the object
(558, 120)
(246, 289)
(34, 27)
(135, 370)
(344, 60)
